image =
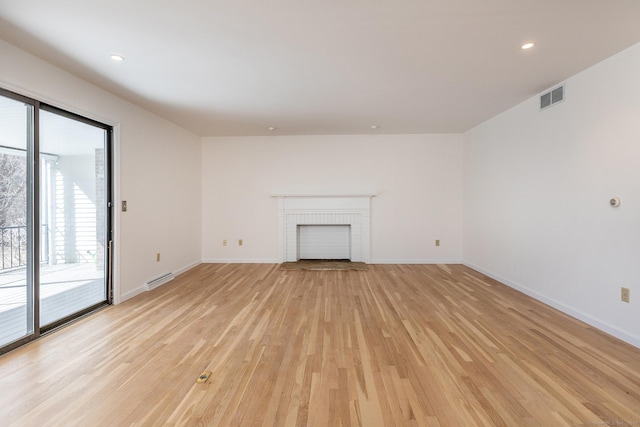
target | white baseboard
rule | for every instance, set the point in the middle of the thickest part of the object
(373, 261)
(142, 289)
(187, 267)
(416, 261)
(131, 294)
(240, 261)
(584, 317)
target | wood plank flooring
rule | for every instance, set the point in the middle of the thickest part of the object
(397, 345)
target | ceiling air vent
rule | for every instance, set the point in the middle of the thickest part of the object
(552, 97)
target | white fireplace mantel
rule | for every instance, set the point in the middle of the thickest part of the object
(352, 210)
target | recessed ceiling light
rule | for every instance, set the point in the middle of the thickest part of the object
(271, 128)
(374, 127)
(117, 57)
(527, 46)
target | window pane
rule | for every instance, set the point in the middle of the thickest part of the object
(72, 216)
(16, 305)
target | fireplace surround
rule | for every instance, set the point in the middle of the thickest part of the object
(352, 210)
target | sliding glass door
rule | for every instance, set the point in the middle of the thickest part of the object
(72, 216)
(54, 218)
(16, 292)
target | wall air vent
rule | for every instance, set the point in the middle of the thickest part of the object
(552, 97)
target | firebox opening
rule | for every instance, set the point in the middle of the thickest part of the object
(324, 242)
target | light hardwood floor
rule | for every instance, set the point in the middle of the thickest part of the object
(398, 345)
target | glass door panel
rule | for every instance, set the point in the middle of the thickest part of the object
(16, 288)
(72, 216)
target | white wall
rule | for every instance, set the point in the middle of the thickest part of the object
(537, 190)
(417, 179)
(158, 170)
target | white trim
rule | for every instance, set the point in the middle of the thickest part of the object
(584, 317)
(142, 289)
(131, 294)
(187, 267)
(240, 261)
(282, 196)
(116, 191)
(416, 261)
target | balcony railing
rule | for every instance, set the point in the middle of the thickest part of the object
(13, 246)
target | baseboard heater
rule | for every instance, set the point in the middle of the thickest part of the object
(158, 281)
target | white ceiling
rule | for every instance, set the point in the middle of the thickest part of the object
(323, 67)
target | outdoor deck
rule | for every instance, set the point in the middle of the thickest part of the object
(64, 289)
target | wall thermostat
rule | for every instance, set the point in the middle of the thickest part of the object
(615, 202)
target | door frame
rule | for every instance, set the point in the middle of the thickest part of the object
(33, 217)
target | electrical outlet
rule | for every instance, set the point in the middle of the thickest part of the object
(624, 294)
(224, 242)
(438, 242)
(240, 242)
(158, 257)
